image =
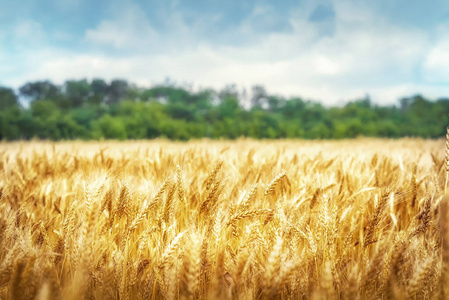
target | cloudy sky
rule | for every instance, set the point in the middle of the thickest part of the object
(331, 51)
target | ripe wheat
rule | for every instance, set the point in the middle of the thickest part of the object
(360, 219)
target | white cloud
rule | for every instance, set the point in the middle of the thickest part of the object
(29, 32)
(130, 30)
(366, 54)
(436, 64)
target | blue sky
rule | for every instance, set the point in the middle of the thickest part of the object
(331, 51)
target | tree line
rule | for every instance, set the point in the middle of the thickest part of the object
(96, 109)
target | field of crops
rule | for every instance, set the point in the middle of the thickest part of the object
(356, 219)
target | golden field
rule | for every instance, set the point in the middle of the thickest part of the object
(356, 219)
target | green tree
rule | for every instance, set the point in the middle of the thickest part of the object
(119, 110)
(109, 127)
(117, 91)
(7, 98)
(99, 89)
(40, 90)
(77, 91)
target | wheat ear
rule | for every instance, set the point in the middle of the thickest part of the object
(447, 160)
(270, 188)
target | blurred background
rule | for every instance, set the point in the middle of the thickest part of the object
(78, 69)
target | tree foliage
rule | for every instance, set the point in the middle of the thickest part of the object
(82, 109)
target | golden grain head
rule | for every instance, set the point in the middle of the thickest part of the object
(355, 219)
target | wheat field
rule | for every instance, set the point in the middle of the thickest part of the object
(354, 219)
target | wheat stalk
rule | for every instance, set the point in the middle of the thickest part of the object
(447, 160)
(207, 233)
